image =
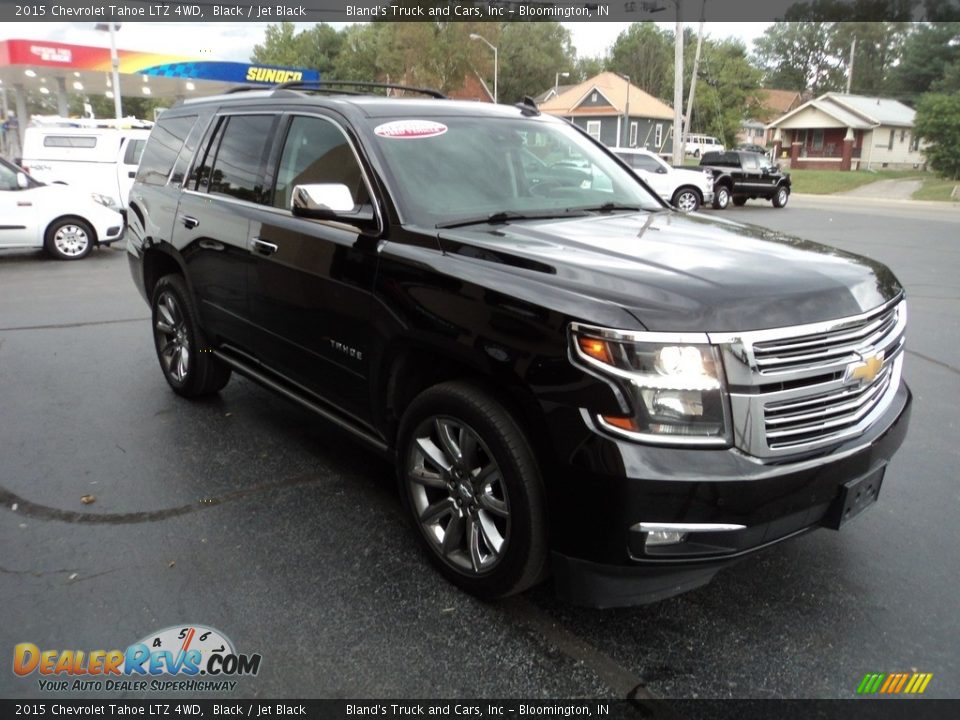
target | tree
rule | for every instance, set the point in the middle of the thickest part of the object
(726, 90)
(531, 54)
(645, 53)
(316, 48)
(938, 122)
(928, 53)
(587, 68)
(879, 46)
(798, 56)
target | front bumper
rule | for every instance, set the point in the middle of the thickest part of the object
(707, 197)
(600, 558)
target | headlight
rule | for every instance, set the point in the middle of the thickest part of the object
(102, 199)
(673, 384)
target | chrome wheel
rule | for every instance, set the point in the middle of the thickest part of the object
(687, 201)
(458, 494)
(71, 240)
(172, 338)
(722, 199)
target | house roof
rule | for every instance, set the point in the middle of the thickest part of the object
(856, 111)
(774, 103)
(613, 88)
(474, 88)
(547, 94)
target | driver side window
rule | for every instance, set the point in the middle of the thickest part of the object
(317, 152)
(8, 178)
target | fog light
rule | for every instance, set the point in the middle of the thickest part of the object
(665, 537)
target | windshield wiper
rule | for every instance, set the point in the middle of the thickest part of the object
(611, 207)
(508, 215)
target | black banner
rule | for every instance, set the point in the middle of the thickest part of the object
(886, 709)
(474, 10)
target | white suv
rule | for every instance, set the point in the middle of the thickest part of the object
(685, 189)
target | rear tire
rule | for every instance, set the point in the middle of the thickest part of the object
(471, 482)
(187, 361)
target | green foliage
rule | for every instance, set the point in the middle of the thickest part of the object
(315, 48)
(798, 56)
(726, 89)
(938, 123)
(929, 53)
(531, 53)
(586, 68)
(645, 53)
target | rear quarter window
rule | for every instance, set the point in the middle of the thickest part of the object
(163, 147)
(70, 141)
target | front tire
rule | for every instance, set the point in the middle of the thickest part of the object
(189, 366)
(686, 200)
(781, 197)
(721, 198)
(471, 482)
(69, 239)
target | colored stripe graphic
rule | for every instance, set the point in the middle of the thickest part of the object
(894, 683)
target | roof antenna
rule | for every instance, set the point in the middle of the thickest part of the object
(528, 106)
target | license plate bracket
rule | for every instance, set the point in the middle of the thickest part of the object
(855, 497)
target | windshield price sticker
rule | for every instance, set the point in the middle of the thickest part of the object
(410, 129)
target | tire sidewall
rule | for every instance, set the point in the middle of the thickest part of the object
(781, 198)
(173, 285)
(723, 198)
(526, 497)
(686, 191)
(52, 231)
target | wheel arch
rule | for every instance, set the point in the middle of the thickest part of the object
(160, 260)
(694, 188)
(76, 218)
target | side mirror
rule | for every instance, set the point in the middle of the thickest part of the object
(22, 181)
(329, 201)
(661, 170)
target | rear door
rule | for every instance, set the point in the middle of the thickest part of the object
(212, 225)
(130, 151)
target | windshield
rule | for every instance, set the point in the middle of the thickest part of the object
(462, 169)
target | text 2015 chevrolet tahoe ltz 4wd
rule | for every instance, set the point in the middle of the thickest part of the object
(570, 376)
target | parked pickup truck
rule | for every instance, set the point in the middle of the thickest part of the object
(740, 176)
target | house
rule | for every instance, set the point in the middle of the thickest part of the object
(769, 104)
(473, 88)
(848, 132)
(552, 92)
(616, 112)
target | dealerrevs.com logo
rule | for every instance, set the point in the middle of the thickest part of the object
(186, 658)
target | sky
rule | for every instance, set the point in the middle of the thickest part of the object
(235, 41)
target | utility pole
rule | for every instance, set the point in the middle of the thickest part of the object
(853, 49)
(678, 145)
(696, 66)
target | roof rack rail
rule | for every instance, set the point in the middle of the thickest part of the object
(244, 88)
(318, 85)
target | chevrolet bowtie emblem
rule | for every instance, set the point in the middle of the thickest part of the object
(864, 372)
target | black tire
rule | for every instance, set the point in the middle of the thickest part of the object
(687, 199)
(510, 508)
(780, 197)
(69, 238)
(721, 197)
(177, 336)
(739, 200)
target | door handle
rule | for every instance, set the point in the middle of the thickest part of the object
(190, 222)
(262, 246)
(132, 174)
(210, 245)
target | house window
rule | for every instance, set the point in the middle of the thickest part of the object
(658, 135)
(903, 135)
(914, 142)
(633, 134)
(893, 135)
(593, 98)
(817, 139)
(593, 129)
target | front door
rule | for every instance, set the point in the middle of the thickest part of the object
(18, 214)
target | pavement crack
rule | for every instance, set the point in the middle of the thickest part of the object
(45, 512)
(929, 359)
(58, 326)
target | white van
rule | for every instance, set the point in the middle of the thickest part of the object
(697, 145)
(95, 158)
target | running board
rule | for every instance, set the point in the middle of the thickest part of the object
(268, 382)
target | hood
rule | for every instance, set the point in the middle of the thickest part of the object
(677, 272)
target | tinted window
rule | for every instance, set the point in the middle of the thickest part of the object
(70, 141)
(239, 160)
(750, 162)
(316, 151)
(133, 152)
(645, 162)
(162, 148)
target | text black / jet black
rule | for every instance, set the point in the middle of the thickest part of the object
(570, 376)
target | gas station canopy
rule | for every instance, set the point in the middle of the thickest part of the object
(59, 68)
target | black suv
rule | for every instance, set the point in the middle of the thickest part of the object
(739, 175)
(569, 375)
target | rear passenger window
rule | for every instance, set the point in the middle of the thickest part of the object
(237, 168)
(131, 155)
(316, 151)
(162, 148)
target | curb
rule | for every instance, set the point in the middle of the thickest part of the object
(851, 200)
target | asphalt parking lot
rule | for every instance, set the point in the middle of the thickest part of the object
(246, 514)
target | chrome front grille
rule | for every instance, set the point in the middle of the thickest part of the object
(804, 388)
